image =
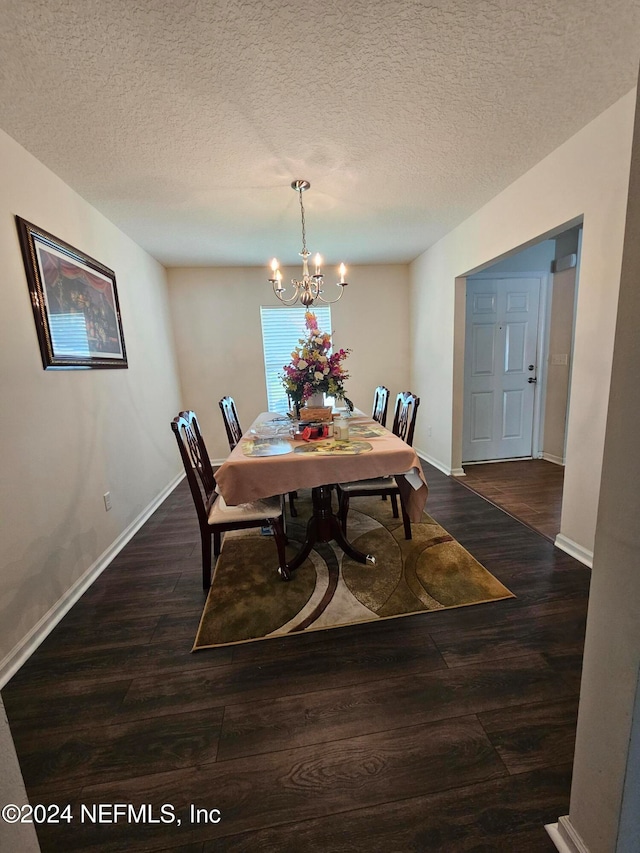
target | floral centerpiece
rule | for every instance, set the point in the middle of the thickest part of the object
(313, 369)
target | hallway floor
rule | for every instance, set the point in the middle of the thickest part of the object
(528, 489)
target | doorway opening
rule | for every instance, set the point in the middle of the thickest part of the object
(518, 346)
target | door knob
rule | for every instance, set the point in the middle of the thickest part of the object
(531, 379)
(531, 367)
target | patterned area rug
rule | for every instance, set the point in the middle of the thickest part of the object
(248, 601)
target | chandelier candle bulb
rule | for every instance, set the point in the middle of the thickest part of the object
(343, 271)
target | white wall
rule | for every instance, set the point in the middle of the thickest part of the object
(587, 176)
(216, 318)
(69, 436)
(605, 791)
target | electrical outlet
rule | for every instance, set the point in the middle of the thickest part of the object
(107, 501)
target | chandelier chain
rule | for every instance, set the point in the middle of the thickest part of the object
(304, 231)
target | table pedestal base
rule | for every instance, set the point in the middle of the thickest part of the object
(323, 526)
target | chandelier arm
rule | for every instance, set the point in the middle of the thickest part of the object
(331, 301)
(287, 300)
(315, 286)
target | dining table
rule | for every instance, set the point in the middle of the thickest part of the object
(270, 460)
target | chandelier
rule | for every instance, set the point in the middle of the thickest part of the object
(309, 287)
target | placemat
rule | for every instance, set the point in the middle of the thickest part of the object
(334, 447)
(366, 431)
(266, 447)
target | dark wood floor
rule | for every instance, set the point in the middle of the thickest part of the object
(528, 489)
(449, 731)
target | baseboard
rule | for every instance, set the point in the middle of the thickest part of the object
(497, 461)
(458, 472)
(549, 457)
(565, 837)
(575, 550)
(554, 835)
(436, 463)
(30, 642)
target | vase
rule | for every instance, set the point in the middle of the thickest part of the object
(315, 400)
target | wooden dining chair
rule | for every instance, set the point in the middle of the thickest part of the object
(379, 413)
(234, 434)
(231, 422)
(404, 423)
(404, 417)
(380, 403)
(214, 516)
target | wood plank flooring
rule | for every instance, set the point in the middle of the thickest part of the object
(528, 489)
(445, 732)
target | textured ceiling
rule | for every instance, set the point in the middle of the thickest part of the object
(184, 121)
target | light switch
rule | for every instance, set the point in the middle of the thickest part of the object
(560, 358)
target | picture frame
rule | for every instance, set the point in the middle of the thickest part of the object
(75, 303)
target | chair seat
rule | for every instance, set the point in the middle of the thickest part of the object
(221, 513)
(374, 485)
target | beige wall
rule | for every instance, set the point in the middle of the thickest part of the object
(69, 436)
(605, 793)
(587, 176)
(562, 293)
(216, 318)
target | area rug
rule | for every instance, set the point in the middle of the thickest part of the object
(248, 601)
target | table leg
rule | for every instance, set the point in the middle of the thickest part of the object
(323, 526)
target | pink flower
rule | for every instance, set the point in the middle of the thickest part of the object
(313, 368)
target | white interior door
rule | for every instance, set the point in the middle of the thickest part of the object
(500, 368)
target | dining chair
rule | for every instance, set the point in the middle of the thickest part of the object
(234, 434)
(215, 517)
(380, 403)
(231, 422)
(404, 423)
(379, 413)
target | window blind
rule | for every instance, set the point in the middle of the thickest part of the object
(281, 330)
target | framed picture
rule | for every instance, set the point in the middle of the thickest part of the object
(75, 303)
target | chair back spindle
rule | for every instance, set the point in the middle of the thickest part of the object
(404, 419)
(380, 403)
(196, 461)
(231, 422)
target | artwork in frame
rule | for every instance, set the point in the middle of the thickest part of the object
(75, 303)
